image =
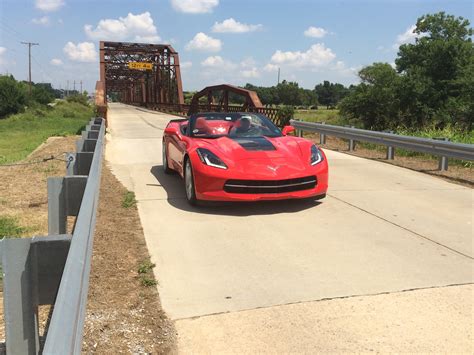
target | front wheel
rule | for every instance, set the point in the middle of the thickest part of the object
(189, 183)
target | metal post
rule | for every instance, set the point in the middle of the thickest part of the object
(322, 136)
(390, 150)
(64, 199)
(351, 143)
(443, 161)
(20, 301)
(32, 273)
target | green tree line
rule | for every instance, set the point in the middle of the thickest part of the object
(432, 84)
(15, 95)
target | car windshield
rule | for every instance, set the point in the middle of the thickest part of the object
(232, 125)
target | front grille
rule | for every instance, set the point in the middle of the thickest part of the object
(269, 186)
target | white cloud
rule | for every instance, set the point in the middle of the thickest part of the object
(217, 62)
(316, 56)
(44, 21)
(139, 28)
(56, 62)
(49, 5)
(248, 62)
(194, 6)
(270, 67)
(185, 65)
(250, 73)
(205, 43)
(406, 37)
(232, 26)
(81, 52)
(315, 32)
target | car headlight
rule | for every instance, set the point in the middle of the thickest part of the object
(209, 158)
(316, 155)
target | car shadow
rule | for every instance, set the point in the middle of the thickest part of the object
(173, 185)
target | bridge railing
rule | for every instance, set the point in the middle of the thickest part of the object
(270, 112)
(54, 270)
(441, 148)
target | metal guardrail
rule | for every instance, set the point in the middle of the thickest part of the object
(442, 148)
(54, 270)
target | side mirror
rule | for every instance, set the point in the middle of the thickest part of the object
(287, 130)
(171, 131)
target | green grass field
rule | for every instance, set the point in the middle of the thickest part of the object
(320, 115)
(22, 133)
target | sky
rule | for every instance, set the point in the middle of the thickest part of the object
(218, 41)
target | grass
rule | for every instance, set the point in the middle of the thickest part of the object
(145, 267)
(9, 227)
(24, 132)
(128, 199)
(144, 270)
(329, 116)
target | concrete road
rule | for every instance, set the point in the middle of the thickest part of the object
(381, 230)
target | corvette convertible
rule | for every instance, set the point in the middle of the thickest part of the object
(242, 157)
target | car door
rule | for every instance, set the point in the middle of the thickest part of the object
(177, 149)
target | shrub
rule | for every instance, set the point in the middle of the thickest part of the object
(80, 99)
(12, 96)
(285, 114)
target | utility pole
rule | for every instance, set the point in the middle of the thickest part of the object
(29, 60)
(67, 88)
(74, 90)
(278, 75)
(81, 87)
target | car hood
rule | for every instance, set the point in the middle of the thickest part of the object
(237, 149)
(263, 156)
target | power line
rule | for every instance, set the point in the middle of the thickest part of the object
(29, 60)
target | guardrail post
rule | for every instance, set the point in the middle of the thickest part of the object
(322, 136)
(351, 142)
(32, 272)
(19, 301)
(443, 161)
(64, 199)
(390, 150)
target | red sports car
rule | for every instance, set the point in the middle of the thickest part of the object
(242, 157)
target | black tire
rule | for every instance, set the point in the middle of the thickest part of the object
(189, 189)
(166, 168)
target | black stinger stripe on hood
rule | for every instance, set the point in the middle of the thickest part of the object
(254, 143)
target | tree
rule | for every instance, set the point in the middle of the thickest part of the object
(330, 94)
(437, 68)
(431, 86)
(374, 102)
(41, 95)
(12, 96)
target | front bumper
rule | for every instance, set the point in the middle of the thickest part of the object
(210, 182)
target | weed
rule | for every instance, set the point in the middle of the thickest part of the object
(148, 281)
(144, 270)
(129, 200)
(145, 267)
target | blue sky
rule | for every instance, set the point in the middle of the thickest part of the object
(219, 41)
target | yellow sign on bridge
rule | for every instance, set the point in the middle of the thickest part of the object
(140, 65)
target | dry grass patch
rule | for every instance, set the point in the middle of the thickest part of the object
(123, 314)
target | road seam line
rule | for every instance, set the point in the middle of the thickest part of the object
(325, 299)
(402, 227)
